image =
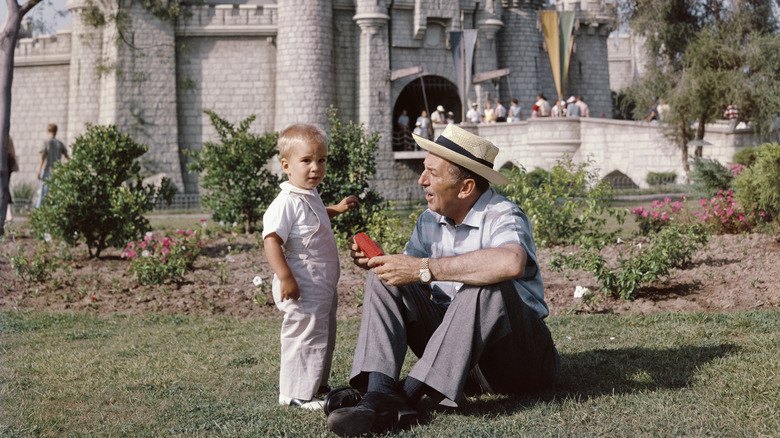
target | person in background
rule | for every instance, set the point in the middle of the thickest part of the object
(572, 109)
(438, 117)
(425, 124)
(13, 166)
(490, 113)
(450, 118)
(584, 110)
(515, 111)
(500, 112)
(473, 116)
(52, 152)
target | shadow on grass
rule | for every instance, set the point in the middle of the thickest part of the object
(669, 291)
(597, 373)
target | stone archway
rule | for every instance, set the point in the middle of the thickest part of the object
(438, 91)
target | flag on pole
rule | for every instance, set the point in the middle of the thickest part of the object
(463, 69)
(558, 30)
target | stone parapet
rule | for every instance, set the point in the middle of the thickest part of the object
(43, 50)
(230, 20)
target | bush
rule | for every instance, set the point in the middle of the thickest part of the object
(23, 193)
(658, 215)
(758, 186)
(234, 172)
(391, 231)
(708, 176)
(157, 261)
(671, 248)
(568, 207)
(746, 156)
(724, 216)
(661, 178)
(37, 268)
(351, 165)
(93, 195)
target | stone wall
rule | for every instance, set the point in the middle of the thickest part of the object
(39, 97)
(201, 72)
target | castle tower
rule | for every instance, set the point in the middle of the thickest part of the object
(486, 55)
(304, 71)
(86, 55)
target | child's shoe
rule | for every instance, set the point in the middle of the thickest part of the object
(314, 404)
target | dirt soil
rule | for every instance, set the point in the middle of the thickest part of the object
(732, 273)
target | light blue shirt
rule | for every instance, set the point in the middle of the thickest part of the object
(493, 221)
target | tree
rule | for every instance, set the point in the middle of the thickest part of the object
(234, 172)
(8, 40)
(704, 55)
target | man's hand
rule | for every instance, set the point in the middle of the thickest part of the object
(358, 257)
(290, 290)
(396, 270)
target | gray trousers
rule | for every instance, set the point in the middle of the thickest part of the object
(488, 326)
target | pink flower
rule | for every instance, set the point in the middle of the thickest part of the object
(166, 241)
(645, 213)
(730, 193)
(667, 200)
(763, 214)
(695, 213)
(724, 220)
(729, 211)
(741, 218)
(179, 232)
(665, 216)
(704, 217)
(165, 250)
(203, 220)
(702, 201)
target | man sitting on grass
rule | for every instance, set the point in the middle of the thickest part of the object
(466, 296)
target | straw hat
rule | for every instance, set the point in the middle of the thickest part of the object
(465, 149)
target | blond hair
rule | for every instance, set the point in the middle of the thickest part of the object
(300, 133)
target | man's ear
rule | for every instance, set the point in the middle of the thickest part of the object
(467, 188)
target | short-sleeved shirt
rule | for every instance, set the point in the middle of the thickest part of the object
(300, 219)
(54, 150)
(493, 221)
(403, 120)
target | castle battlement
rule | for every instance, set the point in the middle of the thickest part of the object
(43, 50)
(231, 20)
(592, 12)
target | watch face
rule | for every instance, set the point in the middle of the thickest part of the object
(425, 276)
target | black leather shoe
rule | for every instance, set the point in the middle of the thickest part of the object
(376, 413)
(344, 397)
(324, 389)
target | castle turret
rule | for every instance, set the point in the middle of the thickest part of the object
(486, 55)
(86, 54)
(304, 71)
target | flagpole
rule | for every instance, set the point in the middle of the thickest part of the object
(462, 70)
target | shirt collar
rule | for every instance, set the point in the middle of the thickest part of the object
(474, 216)
(291, 188)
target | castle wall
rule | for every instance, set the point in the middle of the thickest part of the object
(588, 73)
(39, 97)
(202, 74)
(518, 48)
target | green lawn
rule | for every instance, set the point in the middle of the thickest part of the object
(157, 375)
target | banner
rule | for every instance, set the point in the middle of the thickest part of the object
(558, 30)
(463, 44)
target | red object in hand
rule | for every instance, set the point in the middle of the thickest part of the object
(367, 246)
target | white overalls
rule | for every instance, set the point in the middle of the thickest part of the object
(308, 336)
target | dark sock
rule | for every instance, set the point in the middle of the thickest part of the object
(414, 389)
(378, 382)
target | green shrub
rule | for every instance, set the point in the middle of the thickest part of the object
(708, 177)
(238, 185)
(661, 178)
(660, 214)
(746, 156)
(758, 186)
(98, 195)
(568, 207)
(538, 177)
(351, 165)
(23, 192)
(672, 247)
(155, 261)
(391, 231)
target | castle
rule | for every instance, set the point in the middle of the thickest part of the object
(288, 61)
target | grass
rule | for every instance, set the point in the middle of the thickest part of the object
(153, 375)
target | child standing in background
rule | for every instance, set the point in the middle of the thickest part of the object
(301, 249)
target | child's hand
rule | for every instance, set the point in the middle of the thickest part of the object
(290, 289)
(349, 203)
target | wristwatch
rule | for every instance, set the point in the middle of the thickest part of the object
(425, 272)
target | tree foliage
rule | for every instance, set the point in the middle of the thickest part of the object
(234, 172)
(351, 165)
(704, 55)
(98, 195)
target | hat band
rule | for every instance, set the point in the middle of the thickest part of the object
(454, 147)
